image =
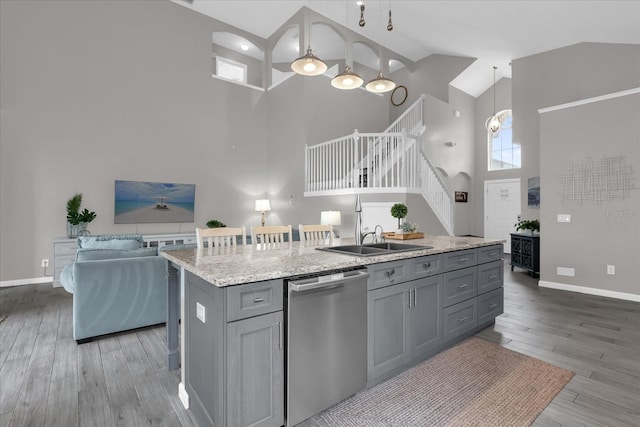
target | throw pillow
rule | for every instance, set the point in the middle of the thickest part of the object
(118, 241)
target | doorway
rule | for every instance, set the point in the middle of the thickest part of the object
(501, 209)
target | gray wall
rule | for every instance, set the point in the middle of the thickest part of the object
(561, 76)
(600, 233)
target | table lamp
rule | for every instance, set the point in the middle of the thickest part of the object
(262, 205)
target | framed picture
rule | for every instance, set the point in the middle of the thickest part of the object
(139, 202)
(533, 192)
(461, 197)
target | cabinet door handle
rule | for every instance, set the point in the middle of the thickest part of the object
(390, 273)
(464, 285)
(463, 319)
(415, 297)
(492, 306)
(427, 267)
(280, 335)
(258, 299)
(463, 260)
(409, 304)
(493, 276)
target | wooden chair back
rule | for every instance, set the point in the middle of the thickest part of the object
(271, 234)
(217, 237)
(315, 232)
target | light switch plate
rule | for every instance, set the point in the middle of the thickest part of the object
(611, 269)
(564, 218)
(201, 312)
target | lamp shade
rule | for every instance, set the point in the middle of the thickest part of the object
(380, 84)
(309, 65)
(347, 80)
(262, 205)
(330, 218)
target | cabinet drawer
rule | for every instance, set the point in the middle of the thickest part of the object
(253, 299)
(490, 276)
(460, 318)
(490, 305)
(490, 253)
(460, 285)
(387, 273)
(426, 266)
(65, 248)
(460, 259)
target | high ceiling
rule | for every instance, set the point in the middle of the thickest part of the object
(494, 32)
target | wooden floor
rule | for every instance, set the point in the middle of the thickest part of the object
(48, 380)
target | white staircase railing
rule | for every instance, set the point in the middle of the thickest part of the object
(388, 162)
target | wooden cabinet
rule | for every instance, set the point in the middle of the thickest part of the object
(403, 324)
(525, 252)
(235, 353)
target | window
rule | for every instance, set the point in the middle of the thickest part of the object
(503, 152)
(231, 70)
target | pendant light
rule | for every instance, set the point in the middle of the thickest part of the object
(309, 64)
(381, 83)
(493, 124)
(347, 79)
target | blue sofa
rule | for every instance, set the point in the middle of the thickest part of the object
(116, 284)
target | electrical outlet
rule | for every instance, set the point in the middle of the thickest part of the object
(201, 312)
(611, 269)
(44, 263)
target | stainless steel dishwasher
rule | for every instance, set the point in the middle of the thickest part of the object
(326, 342)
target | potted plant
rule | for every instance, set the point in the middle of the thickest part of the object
(526, 224)
(214, 223)
(399, 210)
(77, 220)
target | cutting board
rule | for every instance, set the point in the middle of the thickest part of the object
(402, 236)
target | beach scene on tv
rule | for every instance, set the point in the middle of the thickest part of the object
(146, 202)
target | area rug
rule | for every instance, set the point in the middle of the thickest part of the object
(475, 383)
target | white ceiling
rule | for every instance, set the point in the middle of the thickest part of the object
(495, 32)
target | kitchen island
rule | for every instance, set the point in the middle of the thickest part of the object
(233, 310)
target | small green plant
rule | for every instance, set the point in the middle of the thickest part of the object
(74, 215)
(408, 227)
(399, 210)
(214, 223)
(533, 225)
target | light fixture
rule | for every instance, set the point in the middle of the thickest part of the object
(244, 47)
(493, 123)
(361, 22)
(262, 205)
(309, 64)
(381, 83)
(347, 79)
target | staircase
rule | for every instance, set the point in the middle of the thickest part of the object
(388, 162)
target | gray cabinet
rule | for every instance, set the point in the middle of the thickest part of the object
(525, 252)
(234, 352)
(403, 325)
(64, 252)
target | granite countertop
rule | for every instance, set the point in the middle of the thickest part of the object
(245, 264)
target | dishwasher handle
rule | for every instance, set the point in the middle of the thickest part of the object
(327, 281)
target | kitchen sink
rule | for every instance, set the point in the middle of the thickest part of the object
(372, 249)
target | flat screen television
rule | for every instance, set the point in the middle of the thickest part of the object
(153, 202)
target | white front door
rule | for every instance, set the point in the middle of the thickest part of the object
(501, 209)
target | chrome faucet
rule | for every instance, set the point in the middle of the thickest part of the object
(374, 233)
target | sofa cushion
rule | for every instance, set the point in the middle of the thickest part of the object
(90, 254)
(116, 241)
(66, 278)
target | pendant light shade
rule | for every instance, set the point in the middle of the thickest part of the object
(309, 65)
(493, 123)
(347, 80)
(380, 84)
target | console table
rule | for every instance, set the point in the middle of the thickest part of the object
(525, 252)
(64, 249)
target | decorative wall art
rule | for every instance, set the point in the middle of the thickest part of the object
(599, 180)
(150, 202)
(533, 192)
(461, 197)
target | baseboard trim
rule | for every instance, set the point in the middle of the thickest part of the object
(590, 291)
(21, 282)
(183, 395)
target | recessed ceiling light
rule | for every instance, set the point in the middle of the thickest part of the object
(359, 2)
(244, 47)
